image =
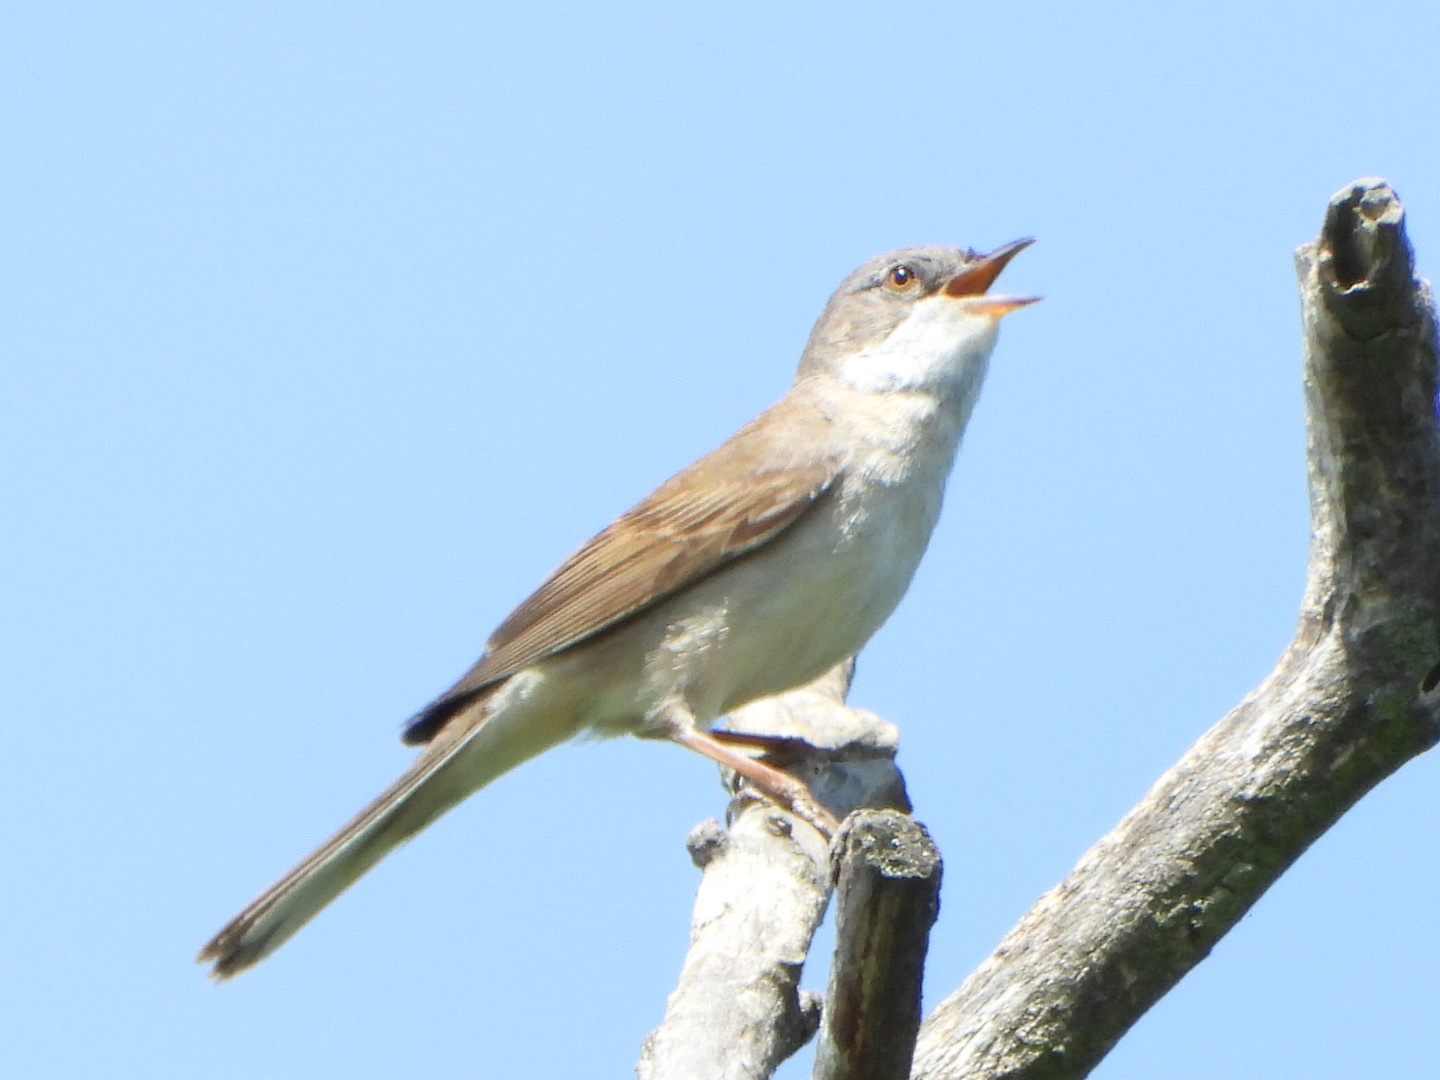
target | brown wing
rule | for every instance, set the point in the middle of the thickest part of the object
(731, 501)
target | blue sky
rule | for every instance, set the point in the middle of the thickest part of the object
(326, 330)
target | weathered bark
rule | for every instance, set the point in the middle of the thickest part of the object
(1352, 699)
(737, 1011)
(1356, 694)
(887, 887)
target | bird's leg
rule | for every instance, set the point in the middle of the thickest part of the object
(677, 725)
(780, 786)
(778, 750)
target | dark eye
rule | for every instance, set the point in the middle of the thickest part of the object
(901, 277)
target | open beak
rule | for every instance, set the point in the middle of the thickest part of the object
(975, 279)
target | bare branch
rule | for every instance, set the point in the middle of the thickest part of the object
(887, 881)
(737, 1011)
(1352, 699)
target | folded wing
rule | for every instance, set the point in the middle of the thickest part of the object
(734, 500)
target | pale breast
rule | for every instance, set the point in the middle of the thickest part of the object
(786, 613)
(783, 614)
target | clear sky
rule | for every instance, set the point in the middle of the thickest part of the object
(326, 330)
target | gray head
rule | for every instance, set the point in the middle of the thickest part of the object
(911, 318)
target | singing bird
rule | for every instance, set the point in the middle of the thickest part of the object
(750, 572)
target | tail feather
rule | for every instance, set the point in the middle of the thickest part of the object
(453, 766)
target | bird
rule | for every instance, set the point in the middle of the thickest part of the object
(750, 572)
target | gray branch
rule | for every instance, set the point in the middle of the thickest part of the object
(737, 1011)
(887, 886)
(1352, 699)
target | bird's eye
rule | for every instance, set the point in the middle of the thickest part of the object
(900, 278)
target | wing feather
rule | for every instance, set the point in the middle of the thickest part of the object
(734, 500)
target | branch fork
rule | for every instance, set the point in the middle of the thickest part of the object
(1354, 696)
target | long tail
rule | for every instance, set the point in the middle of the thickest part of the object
(481, 748)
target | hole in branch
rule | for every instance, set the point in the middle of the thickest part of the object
(1431, 680)
(1348, 247)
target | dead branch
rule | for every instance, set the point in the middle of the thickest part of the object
(737, 1011)
(1351, 700)
(887, 888)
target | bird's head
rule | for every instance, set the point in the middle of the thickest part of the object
(917, 318)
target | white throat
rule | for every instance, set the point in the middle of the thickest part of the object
(940, 347)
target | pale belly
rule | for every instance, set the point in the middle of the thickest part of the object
(785, 614)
